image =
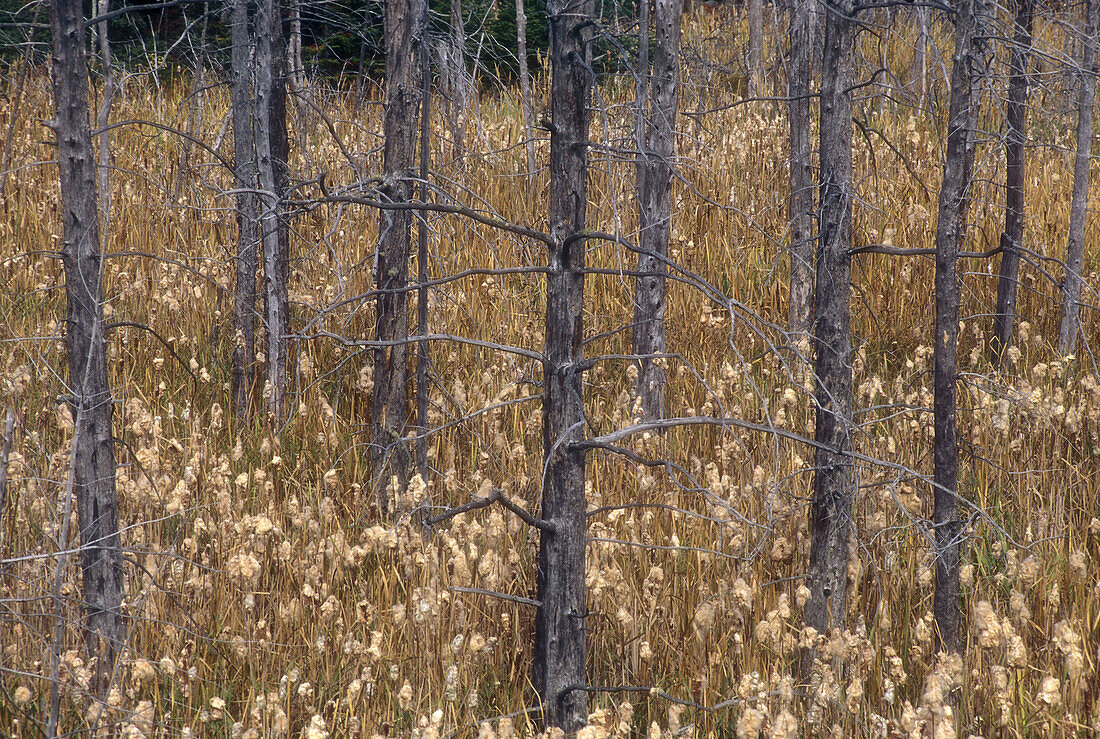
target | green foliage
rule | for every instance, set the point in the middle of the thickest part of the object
(501, 38)
(16, 18)
(338, 38)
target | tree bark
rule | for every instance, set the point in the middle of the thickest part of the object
(295, 68)
(655, 205)
(756, 48)
(1070, 325)
(404, 34)
(244, 152)
(280, 161)
(559, 623)
(801, 203)
(270, 141)
(1012, 237)
(296, 74)
(641, 86)
(110, 89)
(966, 74)
(834, 478)
(422, 361)
(525, 93)
(917, 80)
(456, 68)
(90, 400)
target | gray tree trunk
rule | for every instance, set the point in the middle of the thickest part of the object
(422, 362)
(525, 92)
(244, 152)
(756, 48)
(966, 75)
(559, 623)
(295, 68)
(404, 34)
(296, 73)
(456, 68)
(1004, 316)
(917, 81)
(265, 126)
(277, 286)
(641, 85)
(91, 401)
(801, 203)
(1070, 326)
(657, 139)
(834, 478)
(110, 89)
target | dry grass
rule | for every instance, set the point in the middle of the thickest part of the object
(267, 598)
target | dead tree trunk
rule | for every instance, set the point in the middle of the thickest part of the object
(404, 34)
(655, 206)
(268, 30)
(296, 72)
(422, 361)
(834, 478)
(966, 74)
(641, 86)
(756, 48)
(801, 203)
(90, 394)
(110, 89)
(525, 92)
(277, 288)
(1015, 165)
(456, 68)
(244, 152)
(559, 624)
(1070, 326)
(917, 79)
(295, 68)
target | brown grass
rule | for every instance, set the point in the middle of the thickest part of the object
(266, 598)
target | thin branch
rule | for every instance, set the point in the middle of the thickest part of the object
(502, 596)
(479, 217)
(150, 329)
(140, 8)
(9, 428)
(497, 496)
(169, 129)
(173, 262)
(666, 423)
(903, 252)
(413, 287)
(658, 693)
(368, 344)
